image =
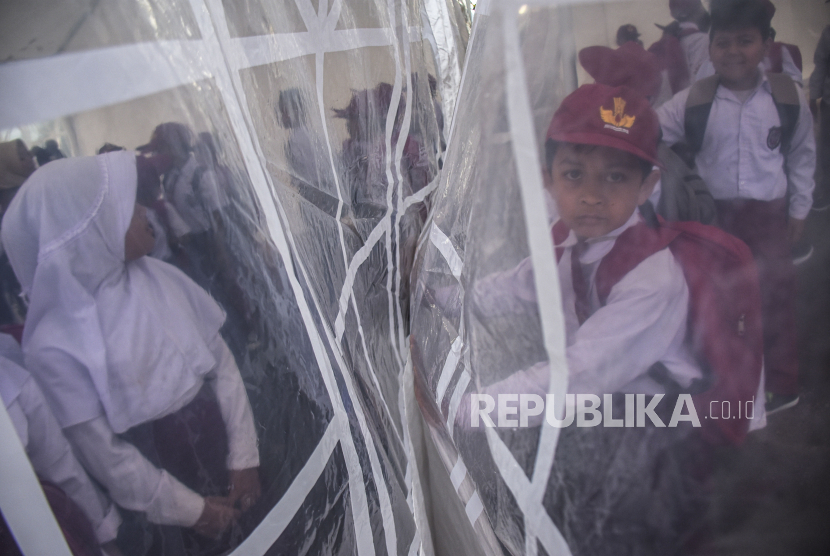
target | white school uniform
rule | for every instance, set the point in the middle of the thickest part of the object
(47, 448)
(643, 321)
(735, 159)
(115, 345)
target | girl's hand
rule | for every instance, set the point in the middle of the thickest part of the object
(217, 516)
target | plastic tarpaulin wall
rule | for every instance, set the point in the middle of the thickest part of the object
(320, 121)
(490, 214)
(487, 319)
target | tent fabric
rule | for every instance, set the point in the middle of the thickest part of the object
(316, 124)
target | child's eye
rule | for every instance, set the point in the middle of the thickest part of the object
(616, 177)
(573, 174)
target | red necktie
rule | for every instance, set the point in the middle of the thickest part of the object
(580, 284)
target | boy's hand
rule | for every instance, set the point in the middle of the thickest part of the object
(795, 229)
(217, 516)
(245, 488)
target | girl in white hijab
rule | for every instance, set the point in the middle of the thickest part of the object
(119, 341)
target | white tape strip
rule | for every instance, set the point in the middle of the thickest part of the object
(56, 86)
(360, 257)
(48, 88)
(419, 196)
(455, 401)
(542, 255)
(459, 471)
(21, 499)
(278, 518)
(310, 17)
(448, 369)
(252, 154)
(536, 518)
(415, 545)
(474, 508)
(393, 185)
(411, 415)
(445, 247)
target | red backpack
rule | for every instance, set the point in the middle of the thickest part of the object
(724, 312)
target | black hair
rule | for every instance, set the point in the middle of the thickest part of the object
(729, 15)
(552, 146)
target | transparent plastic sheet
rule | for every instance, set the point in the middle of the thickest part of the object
(519, 486)
(318, 122)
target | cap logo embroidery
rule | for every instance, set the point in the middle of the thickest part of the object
(616, 119)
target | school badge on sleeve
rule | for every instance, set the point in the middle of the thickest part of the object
(774, 137)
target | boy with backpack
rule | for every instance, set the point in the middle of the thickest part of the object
(650, 309)
(753, 138)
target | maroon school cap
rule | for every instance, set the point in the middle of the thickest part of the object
(630, 65)
(616, 117)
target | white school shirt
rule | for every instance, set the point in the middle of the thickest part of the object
(136, 484)
(195, 208)
(735, 160)
(47, 448)
(643, 321)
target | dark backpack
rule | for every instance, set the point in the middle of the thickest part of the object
(684, 195)
(724, 312)
(702, 93)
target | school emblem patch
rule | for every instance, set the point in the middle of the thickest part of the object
(774, 137)
(617, 119)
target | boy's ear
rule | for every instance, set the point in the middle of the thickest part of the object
(647, 187)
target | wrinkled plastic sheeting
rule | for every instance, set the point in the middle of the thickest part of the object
(323, 124)
(490, 213)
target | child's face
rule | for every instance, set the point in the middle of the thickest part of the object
(140, 238)
(597, 189)
(735, 54)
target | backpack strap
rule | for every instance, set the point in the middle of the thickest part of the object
(698, 107)
(634, 245)
(702, 94)
(785, 96)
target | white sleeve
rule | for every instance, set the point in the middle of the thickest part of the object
(788, 67)
(672, 115)
(53, 460)
(131, 480)
(634, 329)
(235, 408)
(801, 164)
(507, 292)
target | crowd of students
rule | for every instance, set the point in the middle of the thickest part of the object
(677, 218)
(130, 263)
(699, 146)
(132, 371)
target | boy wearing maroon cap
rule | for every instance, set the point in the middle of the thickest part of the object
(760, 175)
(612, 490)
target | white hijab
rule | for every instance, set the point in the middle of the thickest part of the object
(12, 374)
(101, 336)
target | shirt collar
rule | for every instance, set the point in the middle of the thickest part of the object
(598, 247)
(723, 92)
